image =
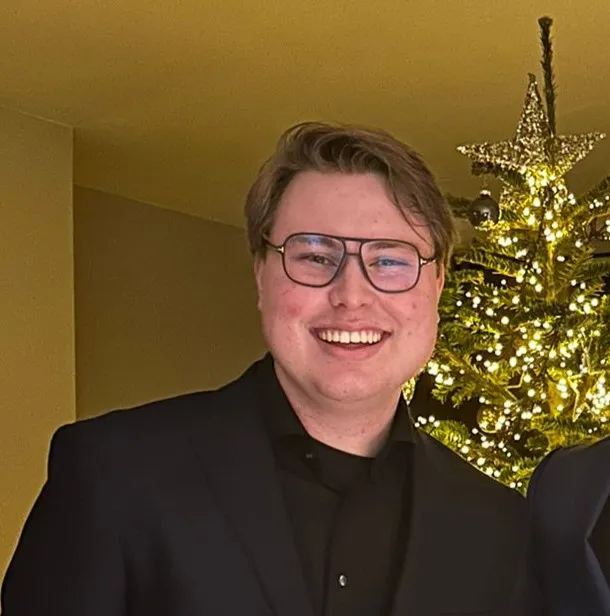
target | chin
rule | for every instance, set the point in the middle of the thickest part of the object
(351, 391)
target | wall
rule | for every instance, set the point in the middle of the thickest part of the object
(165, 303)
(37, 388)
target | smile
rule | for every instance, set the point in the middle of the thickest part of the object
(365, 336)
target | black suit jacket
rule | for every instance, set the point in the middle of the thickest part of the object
(569, 495)
(175, 509)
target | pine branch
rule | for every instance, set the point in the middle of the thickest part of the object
(465, 276)
(570, 270)
(472, 378)
(459, 205)
(550, 89)
(495, 262)
(597, 193)
(594, 269)
(510, 177)
(584, 213)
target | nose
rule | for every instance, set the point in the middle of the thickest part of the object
(351, 288)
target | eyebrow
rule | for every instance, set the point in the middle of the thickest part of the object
(389, 243)
(329, 241)
(312, 238)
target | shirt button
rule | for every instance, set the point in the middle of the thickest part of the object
(310, 455)
(342, 579)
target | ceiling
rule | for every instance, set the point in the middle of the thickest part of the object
(177, 102)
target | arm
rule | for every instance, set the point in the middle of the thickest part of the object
(68, 560)
(600, 538)
(567, 493)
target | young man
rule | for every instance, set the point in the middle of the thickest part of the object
(302, 488)
(570, 498)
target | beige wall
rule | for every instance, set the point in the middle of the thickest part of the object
(36, 309)
(104, 305)
(165, 303)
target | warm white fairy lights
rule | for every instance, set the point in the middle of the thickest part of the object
(530, 346)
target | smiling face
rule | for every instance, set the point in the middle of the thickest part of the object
(346, 342)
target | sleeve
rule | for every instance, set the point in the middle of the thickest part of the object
(600, 539)
(68, 559)
(566, 493)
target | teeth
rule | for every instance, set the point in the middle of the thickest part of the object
(345, 337)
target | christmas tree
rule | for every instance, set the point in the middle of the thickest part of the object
(525, 323)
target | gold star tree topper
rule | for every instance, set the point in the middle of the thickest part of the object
(534, 147)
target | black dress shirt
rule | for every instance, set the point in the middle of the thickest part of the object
(350, 514)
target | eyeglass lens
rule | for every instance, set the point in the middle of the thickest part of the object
(313, 260)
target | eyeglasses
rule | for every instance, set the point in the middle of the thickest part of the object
(315, 260)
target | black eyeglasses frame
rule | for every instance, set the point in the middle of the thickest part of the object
(280, 248)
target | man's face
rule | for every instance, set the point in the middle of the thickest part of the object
(295, 317)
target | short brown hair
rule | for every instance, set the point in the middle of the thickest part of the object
(316, 146)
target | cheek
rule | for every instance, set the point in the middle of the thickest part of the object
(292, 302)
(418, 313)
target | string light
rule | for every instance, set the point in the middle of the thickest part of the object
(532, 345)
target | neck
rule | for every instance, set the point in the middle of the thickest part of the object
(358, 427)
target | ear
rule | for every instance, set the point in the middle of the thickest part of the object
(259, 267)
(440, 279)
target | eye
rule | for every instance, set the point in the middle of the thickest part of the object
(320, 259)
(390, 262)
(317, 258)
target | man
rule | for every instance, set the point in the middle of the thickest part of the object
(570, 496)
(301, 489)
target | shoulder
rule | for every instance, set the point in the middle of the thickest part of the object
(154, 424)
(570, 486)
(463, 479)
(484, 521)
(569, 495)
(581, 466)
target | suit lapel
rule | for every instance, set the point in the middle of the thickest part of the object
(239, 465)
(419, 574)
(430, 585)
